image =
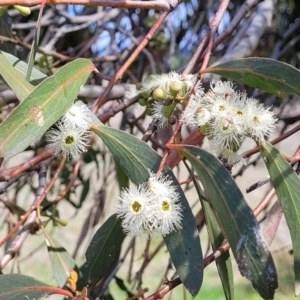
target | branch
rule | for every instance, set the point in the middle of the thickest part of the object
(158, 5)
(29, 225)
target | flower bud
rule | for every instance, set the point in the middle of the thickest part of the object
(60, 222)
(203, 129)
(138, 86)
(175, 88)
(167, 111)
(143, 101)
(23, 10)
(146, 94)
(159, 94)
(150, 101)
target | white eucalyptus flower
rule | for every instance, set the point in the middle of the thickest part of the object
(136, 209)
(157, 115)
(167, 206)
(67, 141)
(160, 185)
(222, 87)
(78, 115)
(169, 217)
(260, 120)
(151, 208)
(196, 114)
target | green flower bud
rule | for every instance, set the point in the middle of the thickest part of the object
(175, 88)
(60, 222)
(167, 111)
(143, 101)
(205, 131)
(23, 10)
(159, 94)
(146, 94)
(150, 101)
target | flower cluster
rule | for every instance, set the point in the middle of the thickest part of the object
(71, 134)
(162, 93)
(151, 208)
(168, 86)
(227, 117)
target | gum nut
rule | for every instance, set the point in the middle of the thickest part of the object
(158, 94)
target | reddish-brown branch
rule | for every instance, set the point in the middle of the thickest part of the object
(215, 23)
(158, 5)
(7, 174)
(273, 142)
(131, 59)
(37, 203)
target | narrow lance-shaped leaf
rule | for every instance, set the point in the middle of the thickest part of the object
(104, 249)
(35, 42)
(287, 185)
(137, 158)
(270, 75)
(216, 238)
(223, 263)
(237, 220)
(14, 79)
(20, 287)
(43, 107)
(21, 67)
(61, 261)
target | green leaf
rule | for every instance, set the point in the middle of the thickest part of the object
(237, 220)
(121, 176)
(216, 238)
(223, 263)
(104, 249)
(35, 43)
(36, 75)
(133, 155)
(62, 262)
(17, 83)
(122, 286)
(184, 246)
(43, 107)
(270, 75)
(137, 158)
(20, 287)
(287, 185)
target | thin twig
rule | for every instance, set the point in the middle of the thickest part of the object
(130, 60)
(30, 221)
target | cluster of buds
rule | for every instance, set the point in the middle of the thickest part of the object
(151, 208)
(71, 133)
(162, 93)
(226, 117)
